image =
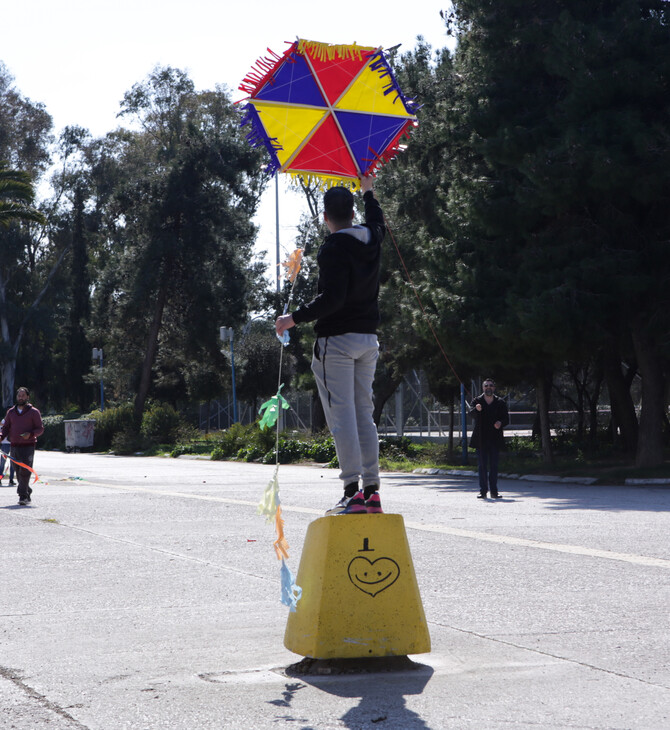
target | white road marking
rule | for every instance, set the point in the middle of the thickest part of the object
(443, 530)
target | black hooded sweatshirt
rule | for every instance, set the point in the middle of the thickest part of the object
(348, 284)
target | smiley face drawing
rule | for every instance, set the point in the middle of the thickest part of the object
(373, 576)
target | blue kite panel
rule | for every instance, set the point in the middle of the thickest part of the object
(292, 83)
(368, 135)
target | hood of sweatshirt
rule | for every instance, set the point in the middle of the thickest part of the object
(357, 241)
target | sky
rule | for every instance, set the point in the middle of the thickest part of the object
(79, 57)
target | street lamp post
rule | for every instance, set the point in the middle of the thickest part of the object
(97, 355)
(228, 334)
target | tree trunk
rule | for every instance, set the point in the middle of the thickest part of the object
(8, 374)
(452, 421)
(593, 403)
(78, 348)
(318, 416)
(150, 355)
(385, 389)
(652, 413)
(543, 393)
(8, 368)
(623, 410)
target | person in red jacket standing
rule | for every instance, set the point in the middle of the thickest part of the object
(22, 426)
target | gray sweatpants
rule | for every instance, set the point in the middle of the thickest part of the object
(344, 368)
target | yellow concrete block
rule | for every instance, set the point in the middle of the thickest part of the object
(360, 597)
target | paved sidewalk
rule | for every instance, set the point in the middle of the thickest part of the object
(143, 593)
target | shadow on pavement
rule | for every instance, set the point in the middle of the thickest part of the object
(381, 684)
(566, 496)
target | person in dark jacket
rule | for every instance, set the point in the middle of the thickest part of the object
(346, 315)
(491, 416)
(22, 426)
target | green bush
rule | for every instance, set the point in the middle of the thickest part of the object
(397, 448)
(161, 424)
(111, 422)
(54, 433)
(249, 443)
(322, 450)
(248, 439)
(199, 447)
(522, 446)
(126, 442)
(252, 453)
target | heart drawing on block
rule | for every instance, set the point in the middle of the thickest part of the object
(373, 576)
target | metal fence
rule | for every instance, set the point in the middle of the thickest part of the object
(412, 411)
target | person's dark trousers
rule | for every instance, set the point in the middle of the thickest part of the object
(487, 456)
(25, 455)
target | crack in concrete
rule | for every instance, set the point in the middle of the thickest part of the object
(586, 665)
(16, 679)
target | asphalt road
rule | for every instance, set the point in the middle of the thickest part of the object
(143, 593)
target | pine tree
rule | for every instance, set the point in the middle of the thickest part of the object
(554, 246)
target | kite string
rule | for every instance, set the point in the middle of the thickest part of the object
(418, 299)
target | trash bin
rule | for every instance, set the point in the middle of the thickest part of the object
(79, 434)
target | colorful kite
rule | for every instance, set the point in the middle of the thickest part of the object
(327, 114)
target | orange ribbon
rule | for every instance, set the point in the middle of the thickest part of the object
(280, 544)
(292, 265)
(25, 466)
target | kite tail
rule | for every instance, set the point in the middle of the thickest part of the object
(270, 505)
(290, 592)
(25, 466)
(280, 544)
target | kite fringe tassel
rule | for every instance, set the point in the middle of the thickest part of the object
(323, 182)
(265, 67)
(380, 64)
(327, 52)
(393, 150)
(262, 71)
(257, 137)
